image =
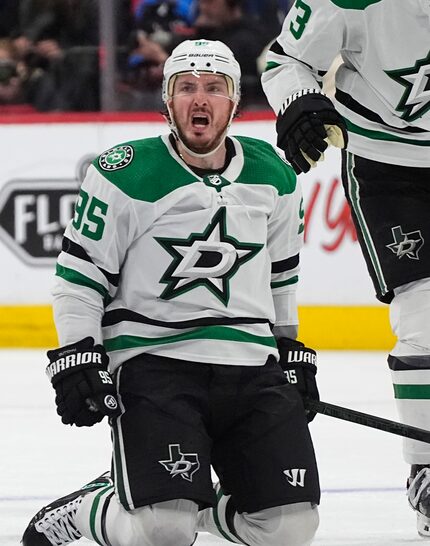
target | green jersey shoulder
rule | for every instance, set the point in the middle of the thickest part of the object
(143, 169)
(264, 165)
(354, 4)
(148, 170)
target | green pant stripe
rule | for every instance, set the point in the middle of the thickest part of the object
(93, 514)
(354, 194)
(412, 392)
(217, 520)
(119, 466)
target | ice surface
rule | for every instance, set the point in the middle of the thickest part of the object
(362, 471)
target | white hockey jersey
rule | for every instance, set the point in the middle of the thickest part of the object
(177, 265)
(383, 84)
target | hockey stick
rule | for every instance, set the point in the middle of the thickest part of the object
(347, 414)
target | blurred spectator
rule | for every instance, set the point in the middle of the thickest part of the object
(67, 22)
(9, 11)
(61, 38)
(57, 46)
(268, 13)
(163, 24)
(50, 32)
(246, 36)
(160, 25)
(143, 74)
(11, 91)
(21, 84)
(165, 16)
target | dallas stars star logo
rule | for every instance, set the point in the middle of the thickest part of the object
(181, 464)
(208, 259)
(406, 244)
(415, 101)
(116, 158)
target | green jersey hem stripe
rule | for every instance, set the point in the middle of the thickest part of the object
(74, 277)
(93, 514)
(412, 392)
(380, 135)
(355, 202)
(277, 284)
(221, 333)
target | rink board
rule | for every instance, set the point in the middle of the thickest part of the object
(329, 328)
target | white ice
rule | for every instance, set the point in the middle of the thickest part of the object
(361, 469)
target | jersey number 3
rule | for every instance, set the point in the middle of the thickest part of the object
(89, 215)
(303, 13)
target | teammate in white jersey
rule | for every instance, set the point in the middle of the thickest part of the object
(181, 259)
(383, 95)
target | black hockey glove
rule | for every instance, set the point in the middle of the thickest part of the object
(85, 392)
(305, 129)
(299, 365)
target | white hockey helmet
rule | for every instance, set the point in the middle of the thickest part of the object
(198, 56)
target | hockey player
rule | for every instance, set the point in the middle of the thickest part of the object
(182, 255)
(383, 96)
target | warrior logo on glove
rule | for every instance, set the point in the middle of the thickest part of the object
(299, 365)
(85, 392)
(74, 358)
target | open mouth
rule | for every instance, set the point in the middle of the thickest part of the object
(200, 120)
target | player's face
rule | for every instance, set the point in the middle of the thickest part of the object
(201, 107)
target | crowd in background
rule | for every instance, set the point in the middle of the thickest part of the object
(50, 53)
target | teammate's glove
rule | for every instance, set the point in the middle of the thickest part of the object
(299, 365)
(305, 129)
(85, 392)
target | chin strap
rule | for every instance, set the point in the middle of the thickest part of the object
(207, 154)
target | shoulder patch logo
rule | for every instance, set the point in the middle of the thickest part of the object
(116, 158)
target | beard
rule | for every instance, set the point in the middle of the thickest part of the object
(204, 147)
